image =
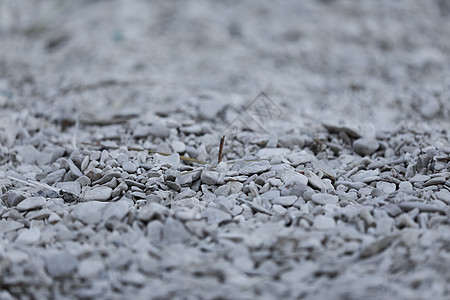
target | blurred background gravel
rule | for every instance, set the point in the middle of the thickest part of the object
(378, 62)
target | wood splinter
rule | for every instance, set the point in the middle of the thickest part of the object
(220, 149)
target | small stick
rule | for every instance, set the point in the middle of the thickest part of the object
(221, 149)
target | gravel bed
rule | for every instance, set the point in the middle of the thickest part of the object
(111, 116)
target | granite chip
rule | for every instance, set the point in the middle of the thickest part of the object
(31, 203)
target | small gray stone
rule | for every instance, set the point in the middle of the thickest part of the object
(89, 213)
(55, 176)
(430, 108)
(386, 187)
(377, 246)
(419, 178)
(72, 187)
(152, 211)
(74, 169)
(316, 182)
(324, 223)
(435, 181)
(90, 267)
(267, 153)
(184, 179)
(214, 215)
(423, 207)
(178, 146)
(443, 195)
(60, 264)
(254, 168)
(154, 230)
(294, 178)
(116, 210)
(278, 209)
(31, 203)
(142, 131)
(28, 153)
(285, 200)
(98, 194)
(323, 198)
(172, 160)
(365, 146)
(129, 167)
(15, 197)
(210, 177)
(134, 278)
(7, 226)
(38, 214)
(159, 130)
(175, 232)
(28, 236)
(93, 173)
(392, 209)
(405, 186)
(302, 157)
(270, 195)
(405, 220)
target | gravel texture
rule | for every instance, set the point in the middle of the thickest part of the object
(334, 184)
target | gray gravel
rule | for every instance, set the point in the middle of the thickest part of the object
(340, 191)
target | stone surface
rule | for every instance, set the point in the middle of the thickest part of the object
(285, 201)
(97, 194)
(365, 146)
(324, 223)
(60, 263)
(31, 203)
(129, 167)
(322, 198)
(90, 213)
(28, 236)
(334, 182)
(210, 177)
(73, 187)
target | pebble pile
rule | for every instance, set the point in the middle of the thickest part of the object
(103, 221)
(111, 116)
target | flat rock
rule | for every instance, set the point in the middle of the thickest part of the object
(89, 213)
(31, 203)
(7, 226)
(116, 210)
(28, 236)
(292, 178)
(15, 197)
(174, 232)
(74, 169)
(55, 176)
(386, 187)
(214, 215)
(60, 263)
(302, 157)
(324, 223)
(89, 268)
(159, 130)
(210, 177)
(323, 198)
(268, 153)
(129, 167)
(443, 195)
(254, 168)
(171, 160)
(178, 146)
(98, 194)
(285, 200)
(419, 178)
(365, 146)
(72, 187)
